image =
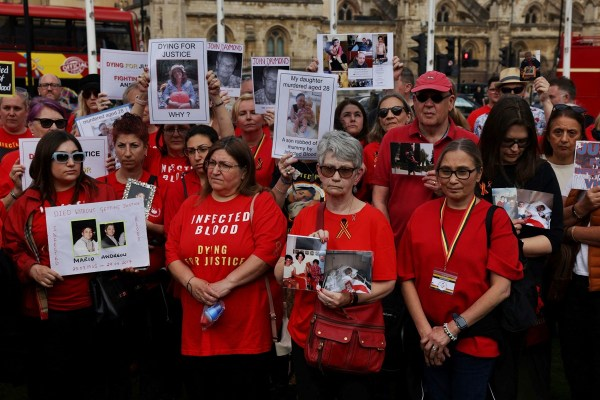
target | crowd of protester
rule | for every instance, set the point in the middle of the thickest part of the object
(425, 231)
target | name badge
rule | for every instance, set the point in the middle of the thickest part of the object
(443, 281)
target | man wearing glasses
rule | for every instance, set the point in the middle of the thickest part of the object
(510, 83)
(49, 86)
(493, 94)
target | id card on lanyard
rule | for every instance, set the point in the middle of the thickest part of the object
(443, 280)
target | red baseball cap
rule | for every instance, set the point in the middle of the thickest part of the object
(433, 80)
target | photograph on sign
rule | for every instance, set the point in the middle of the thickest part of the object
(179, 93)
(586, 174)
(141, 190)
(120, 68)
(94, 165)
(264, 76)
(529, 64)
(225, 60)
(304, 111)
(7, 78)
(100, 124)
(82, 247)
(358, 60)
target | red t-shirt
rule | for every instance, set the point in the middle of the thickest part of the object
(476, 113)
(420, 252)
(369, 230)
(407, 192)
(213, 238)
(6, 184)
(10, 142)
(168, 169)
(175, 195)
(370, 155)
(265, 164)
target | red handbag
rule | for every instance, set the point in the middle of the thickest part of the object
(350, 339)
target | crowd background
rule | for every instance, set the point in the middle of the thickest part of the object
(227, 165)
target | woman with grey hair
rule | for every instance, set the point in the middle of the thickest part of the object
(348, 224)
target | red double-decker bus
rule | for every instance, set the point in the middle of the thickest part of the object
(60, 40)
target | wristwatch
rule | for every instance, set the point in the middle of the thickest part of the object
(460, 321)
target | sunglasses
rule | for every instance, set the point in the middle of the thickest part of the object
(63, 157)
(396, 110)
(345, 172)
(436, 97)
(87, 93)
(562, 107)
(48, 122)
(513, 90)
(508, 143)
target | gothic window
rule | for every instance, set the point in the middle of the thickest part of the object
(443, 15)
(275, 43)
(345, 12)
(532, 16)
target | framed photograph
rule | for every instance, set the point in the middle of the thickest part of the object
(529, 65)
(142, 190)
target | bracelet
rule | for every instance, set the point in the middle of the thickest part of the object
(188, 286)
(573, 234)
(575, 214)
(140, 101)
(13, 195)
(450, 335)
(285, 181)
(279, 190)
(215, 105)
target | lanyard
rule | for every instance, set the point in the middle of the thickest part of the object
(258, 146)
(449, 251)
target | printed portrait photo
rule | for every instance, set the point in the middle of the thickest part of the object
(142, 190)
(227, 66)
(177, 84)
(303, 109)
(84, 238)
(112, 234)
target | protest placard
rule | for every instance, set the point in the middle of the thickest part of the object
(120, 68)
(587, 165)
(94, 165)
(178, 89)
(102, 236)
(305, 109)
(358, 60)
(7, 78)
(264, 76)
(225, 60)
(100, 123)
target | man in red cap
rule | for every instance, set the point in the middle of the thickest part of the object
(398, 195)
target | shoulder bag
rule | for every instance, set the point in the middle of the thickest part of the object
(349, 339)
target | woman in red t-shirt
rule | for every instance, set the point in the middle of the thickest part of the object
(60, 326)
(452, 280)
(348, 224)
(220, 246)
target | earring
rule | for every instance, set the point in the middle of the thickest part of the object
(354, 189)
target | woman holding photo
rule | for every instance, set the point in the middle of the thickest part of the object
(510, 155)
(349, 224)
(60, 322)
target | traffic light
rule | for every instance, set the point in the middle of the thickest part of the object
(450, 47)
(505, 56)
(421, 51)
(466, 58)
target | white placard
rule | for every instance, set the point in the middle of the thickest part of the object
(305, 111)
(120, 68)
(95, 149)
(264, 76)
(100, 123)
(359, 60)
(178, 89)
(225, 60)
(78, 242)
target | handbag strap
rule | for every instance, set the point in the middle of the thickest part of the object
(320, 216)
(272, 315)
(40, 292)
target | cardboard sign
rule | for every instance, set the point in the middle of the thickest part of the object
(119, 70)
(94, 237)
(178, 89)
